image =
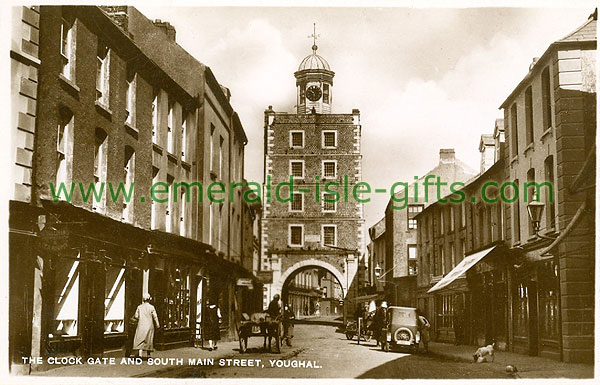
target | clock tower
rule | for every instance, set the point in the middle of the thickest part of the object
(314, 83)
(310, 227)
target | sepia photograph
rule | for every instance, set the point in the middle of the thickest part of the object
(272, 190)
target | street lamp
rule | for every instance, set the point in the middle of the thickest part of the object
(535, 208)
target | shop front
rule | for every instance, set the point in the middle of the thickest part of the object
(470, 303)
(535, 308)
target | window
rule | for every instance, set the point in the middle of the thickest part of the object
(170, 209)
(184, 133)
(155, 119)
(451, 218)
(412, 259)
(102, 74)
(528, 116)
(65, 299)
(182, 213)
(452, 261)
(329, 203)
(444, 311)
(546, 99)
(64, 147)
(412, 212)
(326, 98)
(155, 205)
(296, 235)
(100, 160)
(297, 203)
(329, 139)
(302, 94)
(211, 149)
(114, 300)
(178, 299)
(550, 207)
(520, 311)
(67, 50)
(130, 98)
(297, 139)
(297, 168)
(129, 169)
(221, 140)
(329, 169)
(516, 214)
(514, 134)
(463, 214)
(329, 235)
(170, 129)
(531, 194)
(442, 221)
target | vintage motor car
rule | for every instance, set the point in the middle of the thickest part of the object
(402, 329)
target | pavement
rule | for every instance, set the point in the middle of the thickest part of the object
(337, 356)
(527, 366)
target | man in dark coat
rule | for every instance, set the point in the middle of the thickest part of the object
(274, 308)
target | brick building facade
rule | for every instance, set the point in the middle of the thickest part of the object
(117, 110)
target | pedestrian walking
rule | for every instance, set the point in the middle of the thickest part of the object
(211, 324)
(146, 318)
(423, 326)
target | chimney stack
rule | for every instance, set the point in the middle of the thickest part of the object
(166, 27)
(447, 155)
(118, 13)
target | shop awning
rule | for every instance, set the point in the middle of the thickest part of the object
(461, 268)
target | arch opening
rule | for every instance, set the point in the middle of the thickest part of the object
(313, 291)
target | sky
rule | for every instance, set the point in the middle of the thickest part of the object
(423, 79)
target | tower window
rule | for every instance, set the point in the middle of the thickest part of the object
(297, 168)
(297, 203)
(297, 139)
(329, 203)
(302, 93)
(326, 93)
(329, 236)
(329, 139)
(329, 169)
(296, 235)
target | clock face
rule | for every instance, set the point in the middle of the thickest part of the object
(313, 93)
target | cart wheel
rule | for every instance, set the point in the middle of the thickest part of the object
(243, 344)
(349, 335)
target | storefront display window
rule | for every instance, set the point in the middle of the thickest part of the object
(178, 299)
(114, 300)
(548, 301)
(66, 299)
(520, 310)
(444, 311)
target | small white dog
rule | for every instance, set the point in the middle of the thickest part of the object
(483, 353)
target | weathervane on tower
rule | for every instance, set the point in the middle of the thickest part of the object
(315, 37)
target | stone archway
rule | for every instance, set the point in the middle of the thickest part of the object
(278, 286)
